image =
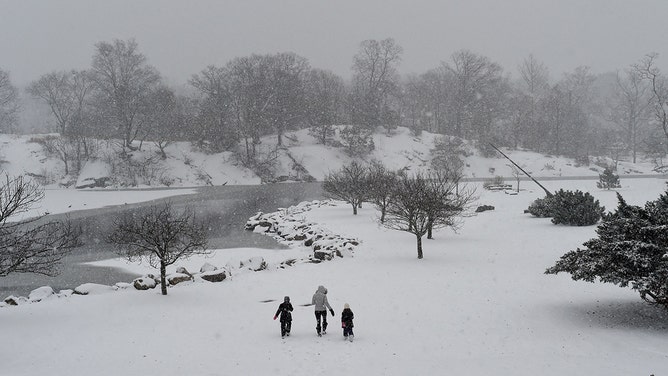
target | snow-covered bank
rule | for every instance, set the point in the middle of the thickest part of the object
(300, 157)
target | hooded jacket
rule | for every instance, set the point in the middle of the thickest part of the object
(347, 317)
(320, 299)
(284, 310)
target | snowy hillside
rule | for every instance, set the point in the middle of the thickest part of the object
(188, 167)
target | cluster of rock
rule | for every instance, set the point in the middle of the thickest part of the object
(208, 273)
(289, 227)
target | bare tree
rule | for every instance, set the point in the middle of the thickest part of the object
(348, 184)
(628, 107)
(381, 184)
(375, 79)
(658, 84)
(170, 118)
(220, 110)
(424, 101)
(534, 88)
(475, 80)
(325, 98)
(446, 200)
(124, 82)
(30, 245)
(421, 203)
(66, 93)
(517, 174)
(288, 86)
(251, 94)
(9, 105)
(161, 236)
(535, 77)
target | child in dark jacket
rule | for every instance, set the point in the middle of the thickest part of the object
(347, 322)
(284, 310)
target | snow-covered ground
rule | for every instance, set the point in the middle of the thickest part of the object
(477, 304)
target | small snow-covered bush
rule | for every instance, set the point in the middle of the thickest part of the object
(541, 208)
(357, 140)
(575, 208)
(608, 179)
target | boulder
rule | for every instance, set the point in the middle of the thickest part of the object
(176, 278)
(323, 256)
(92, 289)
(255, 264)
(207, 268)
(214, 276)
(483, 208)
(123, 285)
(41, 293)
(144, 283)
(182, 270)
(14, 301)
(65, 293)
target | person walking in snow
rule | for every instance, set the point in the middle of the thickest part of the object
(284, 310)
(347, 317)
(321, 304)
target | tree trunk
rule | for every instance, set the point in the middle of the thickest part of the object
(419, 246)
(354, 208)
(163, 278)
(430, 227)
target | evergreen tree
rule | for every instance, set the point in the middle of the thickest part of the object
(608, 179)
(631, 250)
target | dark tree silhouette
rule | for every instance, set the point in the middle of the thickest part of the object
(422, 203)
(161, 236)
(30, 245)
(348, 184)
(608, 180)
(382, 183)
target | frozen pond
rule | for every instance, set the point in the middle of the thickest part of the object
(224, 208)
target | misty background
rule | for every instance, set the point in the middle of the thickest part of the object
(182, 37)
(570, 78)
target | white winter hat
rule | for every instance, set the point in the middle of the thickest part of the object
(346, 305)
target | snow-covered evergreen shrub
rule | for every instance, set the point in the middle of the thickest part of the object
(631, 250)
(608, 179)
(541, 208)
(575, 208)
(357, 140)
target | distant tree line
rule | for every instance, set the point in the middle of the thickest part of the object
(230, 107)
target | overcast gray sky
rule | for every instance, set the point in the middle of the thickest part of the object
(180, 38)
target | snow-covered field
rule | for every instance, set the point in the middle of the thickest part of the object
(477, 304)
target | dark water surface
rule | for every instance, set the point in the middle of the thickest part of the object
(225, 209)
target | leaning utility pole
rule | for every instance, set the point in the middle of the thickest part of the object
(548, 193)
